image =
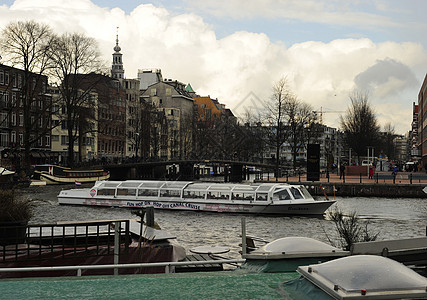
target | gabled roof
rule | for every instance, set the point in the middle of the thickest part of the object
(189, 89)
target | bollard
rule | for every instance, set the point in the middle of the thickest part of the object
(394, 178)
(243, 223)
(360, 176)
(150, 216)
(410, 178)
(117, 226)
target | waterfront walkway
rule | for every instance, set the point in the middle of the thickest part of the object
(383, 184)
(418, 178)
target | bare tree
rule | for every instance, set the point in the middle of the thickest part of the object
(359, 125)
(275, 117)
(288, 119)
(299, 116)
(26, 44)
(142, 123)
(75, 57)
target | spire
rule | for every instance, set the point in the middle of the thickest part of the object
(117, 47)
(117, 70)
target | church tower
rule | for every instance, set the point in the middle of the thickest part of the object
(117, 70)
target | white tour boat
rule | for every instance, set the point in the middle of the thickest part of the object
(261, 198)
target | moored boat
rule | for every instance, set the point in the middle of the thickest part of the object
(53, 174)
(286, 254)
(260, 198)
(356, 277)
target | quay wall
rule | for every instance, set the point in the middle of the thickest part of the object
(365, 189)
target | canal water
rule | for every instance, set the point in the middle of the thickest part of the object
(391, 218)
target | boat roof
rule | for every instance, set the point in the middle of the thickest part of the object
(189, 185)
(362, 276)
(293, 247)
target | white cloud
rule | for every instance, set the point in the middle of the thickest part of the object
(187, 49)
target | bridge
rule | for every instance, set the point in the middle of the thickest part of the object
(233, 171)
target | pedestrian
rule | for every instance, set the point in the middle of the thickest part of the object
(395, 169)
(342, 170)
(371, 171)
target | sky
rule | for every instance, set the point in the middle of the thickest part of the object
(235, 50)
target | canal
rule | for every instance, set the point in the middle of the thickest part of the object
(393, 218)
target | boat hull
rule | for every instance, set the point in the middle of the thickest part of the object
(52, 179)
(80, 197)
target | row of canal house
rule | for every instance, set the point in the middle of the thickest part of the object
(145, 117)
(120, 119)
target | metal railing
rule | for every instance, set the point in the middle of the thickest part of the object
(96, 238)
(79, 269)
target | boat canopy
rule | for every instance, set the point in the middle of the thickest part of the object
(362, 276)
(296, 245)
(188, 185)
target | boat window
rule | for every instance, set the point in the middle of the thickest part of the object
(296, 193)
(130, 184)
(195, 194)
(242, 196)
(175, 184)
(305, 192)
(170, 193)
(218, 195)
(148, 192)
(112, 184)
(282, 195)
(262, 196)
(126, 192)
(264, 187)
(220, 187)
(106, 192)
(152, 184)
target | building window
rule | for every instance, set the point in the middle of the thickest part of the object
(21, 139)
(153, 92)
(4, 139)
(55, 138)
(13, 119)
(6, 77)
(64, 139)
(4, 120)
(1, 77)
(48, 140)
(13, 99)
(13, 137)
(21, 119)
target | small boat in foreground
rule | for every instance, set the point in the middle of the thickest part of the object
(356, 277)
(288, 253)
(257, 198)
(53, 174)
